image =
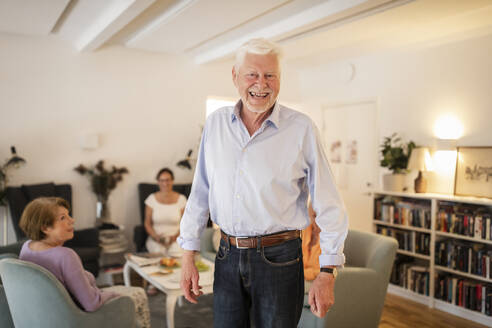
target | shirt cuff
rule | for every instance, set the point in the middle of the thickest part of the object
(190, 244)
(325, 260)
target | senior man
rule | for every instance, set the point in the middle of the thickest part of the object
(257, 164)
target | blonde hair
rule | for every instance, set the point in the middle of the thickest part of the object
(259, 46)
(40, 214)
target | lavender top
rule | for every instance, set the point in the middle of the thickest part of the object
(66, 265)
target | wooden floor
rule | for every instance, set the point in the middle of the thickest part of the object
(399, 312)
(402, 313)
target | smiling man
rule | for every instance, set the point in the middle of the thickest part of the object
(257, 164)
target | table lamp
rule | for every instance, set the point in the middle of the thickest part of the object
(420, 160)
(14, 161)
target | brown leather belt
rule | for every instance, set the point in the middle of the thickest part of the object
(266, 240)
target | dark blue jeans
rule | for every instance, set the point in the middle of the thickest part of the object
(264, 284)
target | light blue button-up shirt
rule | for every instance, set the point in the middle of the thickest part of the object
(259, 184)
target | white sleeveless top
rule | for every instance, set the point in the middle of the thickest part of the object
(166, 217)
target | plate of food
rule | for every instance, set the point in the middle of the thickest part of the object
(169, 262)
(201, 266)
(161, 272)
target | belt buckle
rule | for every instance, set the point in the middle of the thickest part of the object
(237, 242)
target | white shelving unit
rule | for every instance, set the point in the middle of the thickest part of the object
(433, 268)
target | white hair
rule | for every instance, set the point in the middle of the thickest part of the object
(259, 46)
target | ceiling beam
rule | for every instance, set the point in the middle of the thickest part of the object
(111, 22)
(319, 15)
(165, 17)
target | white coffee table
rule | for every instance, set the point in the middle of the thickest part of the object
(169, 283)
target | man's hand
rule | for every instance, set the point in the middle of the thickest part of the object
(321, 294)
(189, 277)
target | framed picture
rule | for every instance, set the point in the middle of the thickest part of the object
(473, 172)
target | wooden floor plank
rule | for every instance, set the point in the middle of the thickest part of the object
(400, 312)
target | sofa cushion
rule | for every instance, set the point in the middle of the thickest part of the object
(39, 190)
(87, 253)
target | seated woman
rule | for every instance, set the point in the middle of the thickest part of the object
(47, 223)
(163, 212)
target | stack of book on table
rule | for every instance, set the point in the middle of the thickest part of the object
(144, 259)
(112, 241)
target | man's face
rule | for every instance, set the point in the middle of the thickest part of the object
(258, 81)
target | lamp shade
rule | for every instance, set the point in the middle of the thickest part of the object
(15, 160)
(420, 160)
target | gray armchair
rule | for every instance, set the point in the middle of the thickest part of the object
(360, 288)
(5, 317)
(37, 299)
(207, 249)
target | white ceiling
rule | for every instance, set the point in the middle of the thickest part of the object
(30, 17)
(209, 30)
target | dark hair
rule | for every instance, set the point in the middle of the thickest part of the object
(164, 170)
(40, 214)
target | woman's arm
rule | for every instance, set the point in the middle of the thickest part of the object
(78, 282)
(149, 224)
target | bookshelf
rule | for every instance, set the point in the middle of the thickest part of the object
(445, 248)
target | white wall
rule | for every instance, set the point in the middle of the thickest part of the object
(413, 87)
(146, 107)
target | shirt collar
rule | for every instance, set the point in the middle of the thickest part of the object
(273, 118)
(235, 112)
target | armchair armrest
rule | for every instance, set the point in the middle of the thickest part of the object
(354, 293)
(359, 291)
(206, 240)
(8, 256)
(116, 312)
(13, 248)
(139, 237)
(84, 238)
(362, 280)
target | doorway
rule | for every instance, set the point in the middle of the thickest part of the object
(350, 135)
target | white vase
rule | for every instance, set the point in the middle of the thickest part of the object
(102, 211)
(395, 182)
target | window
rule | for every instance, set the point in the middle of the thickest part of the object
(214, 103)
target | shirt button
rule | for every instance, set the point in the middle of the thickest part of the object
(237, 196)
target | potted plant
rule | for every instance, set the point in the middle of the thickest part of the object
(103, 181)
(395, 155)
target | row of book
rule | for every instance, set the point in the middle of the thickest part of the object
(468, 221)
(422, 243)
(408, 275)
(396, 211)
(408, 240)
(466, 257)
(465, 293)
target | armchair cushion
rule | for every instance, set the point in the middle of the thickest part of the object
(39, 190)
(33, 293)
(84, 238)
